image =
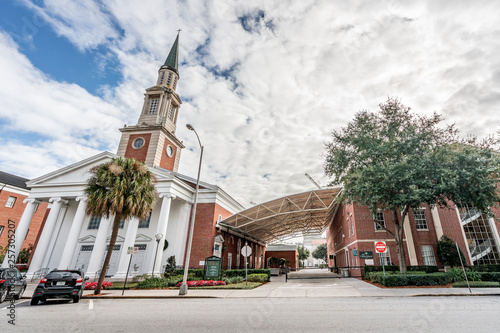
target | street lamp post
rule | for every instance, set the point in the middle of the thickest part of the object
(184, 288)
(158, 238)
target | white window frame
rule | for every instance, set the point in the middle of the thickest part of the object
(171, 112)
(420, 223)
(11, 201)
(428, 255)
(153, 105)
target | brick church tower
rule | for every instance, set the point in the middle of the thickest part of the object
(153, 139)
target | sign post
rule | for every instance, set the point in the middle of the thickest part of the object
(131, 250)
(246, 251)
(381, 247)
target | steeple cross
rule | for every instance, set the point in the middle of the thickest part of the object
(179, 31)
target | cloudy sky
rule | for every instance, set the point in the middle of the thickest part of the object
(263, 82)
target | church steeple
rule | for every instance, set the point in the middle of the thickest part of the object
(172, 60)
(168, 74)
(153, 139)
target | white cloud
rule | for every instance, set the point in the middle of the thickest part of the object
(265, 99)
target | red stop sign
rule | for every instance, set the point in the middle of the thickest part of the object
(380, 247)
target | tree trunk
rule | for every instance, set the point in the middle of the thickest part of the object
(112, 241)
(398, 237)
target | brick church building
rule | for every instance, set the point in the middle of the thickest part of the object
(353, 230)
(71, 239)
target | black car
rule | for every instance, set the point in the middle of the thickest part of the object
(12, 283)
(60, 284)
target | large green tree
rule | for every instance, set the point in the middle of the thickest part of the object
(395, 160)
(321, 252)
(303, 252)
(121, 188)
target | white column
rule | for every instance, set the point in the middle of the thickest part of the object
(437, 222)
(99, 249)
(133, 224)
(47, 231)
(21, 231)
(410, 244)
(182, 232)
(74, 232)
(161, 229)
(55, 235)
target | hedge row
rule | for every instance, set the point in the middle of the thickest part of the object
(241, 272)
(198, 273)
(431, 279)
(394, 268)
(487, 268)
(490, 276)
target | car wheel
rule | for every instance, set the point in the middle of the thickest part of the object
(34, 300)
(18, 296)
(76, 299)
(3, 295)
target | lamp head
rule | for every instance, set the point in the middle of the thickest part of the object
(158, 237)
(190, 127)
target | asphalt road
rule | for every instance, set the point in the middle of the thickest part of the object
(362, 314)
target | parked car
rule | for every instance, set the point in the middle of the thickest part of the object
(60, 284)
(12, 283)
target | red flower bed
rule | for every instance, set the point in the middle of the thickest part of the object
(202, 283)
(93, 285)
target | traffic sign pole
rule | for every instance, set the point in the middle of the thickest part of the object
(246, 264)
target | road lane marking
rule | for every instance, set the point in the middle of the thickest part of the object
(91, 304)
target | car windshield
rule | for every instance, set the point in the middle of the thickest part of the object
(63, 275)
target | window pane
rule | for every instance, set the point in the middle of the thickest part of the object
(94, 222)
(379, 217)
(428, 255)
(420, 221)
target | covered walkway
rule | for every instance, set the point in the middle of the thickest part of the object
(286, 217)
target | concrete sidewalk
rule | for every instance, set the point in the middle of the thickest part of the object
(308, 288)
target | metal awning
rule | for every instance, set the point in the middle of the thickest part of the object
(288, 216)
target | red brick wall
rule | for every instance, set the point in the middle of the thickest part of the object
(423, 237)
(452, 228)
(292, 256)
(138, 154)
(168, 162)
(207, 215)
(15, 213)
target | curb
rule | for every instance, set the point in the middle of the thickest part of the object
(453, 295)
(143, 297)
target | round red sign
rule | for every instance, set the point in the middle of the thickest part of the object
(380, 247)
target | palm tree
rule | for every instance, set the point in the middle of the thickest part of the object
(122, 187)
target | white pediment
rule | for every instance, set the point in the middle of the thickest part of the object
(143, 238)
(118, 239)
(87, 239)
(74, 174)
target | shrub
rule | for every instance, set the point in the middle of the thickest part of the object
(487, 268)
(195, 272)
(93, 285)
(457, 274)
(170, 267)
(490, 276)
(426, 269)
(447, 252)
(152, 283)
(241, 272)
(369, 269)
(235, 279)
(257, 278)
(432, 279)
(203, 283)
(476, 284)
